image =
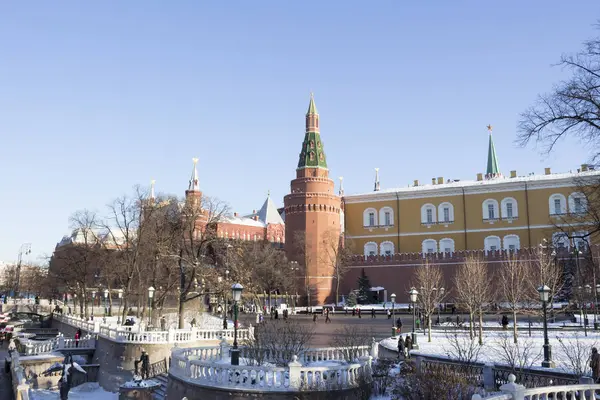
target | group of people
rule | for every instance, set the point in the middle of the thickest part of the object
(404, 346)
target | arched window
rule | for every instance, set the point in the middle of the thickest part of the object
(386, 248)
(429, 246)
(490, 210)
(370, 249)
(428, 214)
(560, 240)
(509, 207)
(557, 204)
(447, 245)
(577, 203)
(492, 243)
(512, 242)
(386, 216)
(581, 240)
(446, 213)
(370, 217)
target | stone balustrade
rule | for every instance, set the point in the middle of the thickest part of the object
(209, 367)
(19, 383)
(32, 347)
(135, 334)
(514, 391)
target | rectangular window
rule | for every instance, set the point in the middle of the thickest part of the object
(371, 253)
(430, 250)
(512, 247)
(491, 210)
(577, 203)
(446, 214)
(388, 253)
(371, 219)
(447, 249)
(429, 216)
(557, 208)
(509, 210)
(388, 219)
(493, 248)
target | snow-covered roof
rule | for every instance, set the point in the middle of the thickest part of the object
(486, 184)
(247, 221)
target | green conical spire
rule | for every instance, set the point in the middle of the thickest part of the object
(493, 169)
(312, 109)
(312, 154)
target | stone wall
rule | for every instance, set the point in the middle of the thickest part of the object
(33, 366)
(178, 389)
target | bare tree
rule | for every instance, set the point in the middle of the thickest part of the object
(523, 354)
(474, 290)
(336, 255)
(460, 347)
(572, 108)
(428, 280)
(514, 286)
(548, 272)
(350, 339)
(302, 248)
(277, 342)
(576, 351)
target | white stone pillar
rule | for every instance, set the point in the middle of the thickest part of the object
(374, 349)
(224, 349)
(515, 390)
(294, 373)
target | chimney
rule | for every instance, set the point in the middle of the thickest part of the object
(547, 171)
(235, 214)
(440, 180)
(416, 182)
(584, 167)
(253, 211)
(256, 217)
(479, 177)
(433, 181)
(513, 174)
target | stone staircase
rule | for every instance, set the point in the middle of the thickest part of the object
(161, 393)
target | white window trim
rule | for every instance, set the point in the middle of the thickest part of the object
(427, 243)
(383, 245)
(366, 217)
(563, 203)
(424, 209)
(441, 212)
(443, 247)
(487, 240)
(561, 237)
(572, 197)
(515, 208)
(368, 246)
(485, 212)
(507, 241)
(382, 212)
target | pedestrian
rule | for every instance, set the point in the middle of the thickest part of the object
(407, 346)
(389, 314)
(418, 323)
(359, 316)
(145, 361)
(595, 364)
(372, 313)
(399, 324)
(453, 309)
(276, 313)
(315, 318)
(400, 347)
(353, 311)
(504, 322)
(327, 319)
(77, 337)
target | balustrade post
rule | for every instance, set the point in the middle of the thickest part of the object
(23, 390)
(295, 376)
(488, 377)
(418, 364)
(368, 361)
(515, 390)
(224, 349)
(374, 349)
(250, 332)
(61, 341)
(171, 337)
(96, 326)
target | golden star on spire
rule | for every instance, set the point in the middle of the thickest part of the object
(489, 128)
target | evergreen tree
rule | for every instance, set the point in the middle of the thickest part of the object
(364, 288)
(351, 299)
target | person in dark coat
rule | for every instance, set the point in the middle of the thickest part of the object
(504, 322)
(407, 346)
(399, 324)
(372, 313)
(400, 347)
(77, 337)
(145, 361)
(595, 364)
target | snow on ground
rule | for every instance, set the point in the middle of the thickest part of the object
(492, 349)
(86, 391)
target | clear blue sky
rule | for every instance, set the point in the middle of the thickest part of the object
(96, 97)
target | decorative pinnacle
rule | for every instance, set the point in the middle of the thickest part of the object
(341, 192)
(376, 179)
(489, 128)
(194, 180)
(195, 161)
(152, 182)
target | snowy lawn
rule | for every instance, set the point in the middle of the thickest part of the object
(87, 391)
(570, 349)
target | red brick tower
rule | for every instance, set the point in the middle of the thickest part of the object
(312, 214)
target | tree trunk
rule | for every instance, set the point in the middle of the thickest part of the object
(471, 331)
(480, 327)
(429, 328)
(515, 325)
(180, 311)
(337, 291)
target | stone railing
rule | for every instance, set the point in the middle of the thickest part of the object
(209, 367)
(32, 347)
(136, 334)
(514, 391)
(19, 382)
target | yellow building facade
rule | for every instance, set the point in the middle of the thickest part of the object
(493, 212)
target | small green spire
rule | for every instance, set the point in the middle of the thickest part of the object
(312, 108)
(493, 169)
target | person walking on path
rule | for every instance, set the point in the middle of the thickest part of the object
(504, 322)
(327, 319)
(372, 313)
(399, 324)
(77, 337)
(315, 318)
(407, 346)
(389, 314)
(400, 347)
(595, 364)
(359, 312)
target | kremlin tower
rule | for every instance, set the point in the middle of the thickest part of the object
(312, 214)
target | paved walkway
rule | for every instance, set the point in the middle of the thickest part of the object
(5, 383)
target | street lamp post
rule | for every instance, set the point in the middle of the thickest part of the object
(105, 301)
(596, 293)
(544, 292)
(442, 291)
(393, 298)
(93, 301)
(225, 302)
(588, 292)
(120, 295)
(24, 249)
(236, 293)
(150, 297)
(413, 299)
